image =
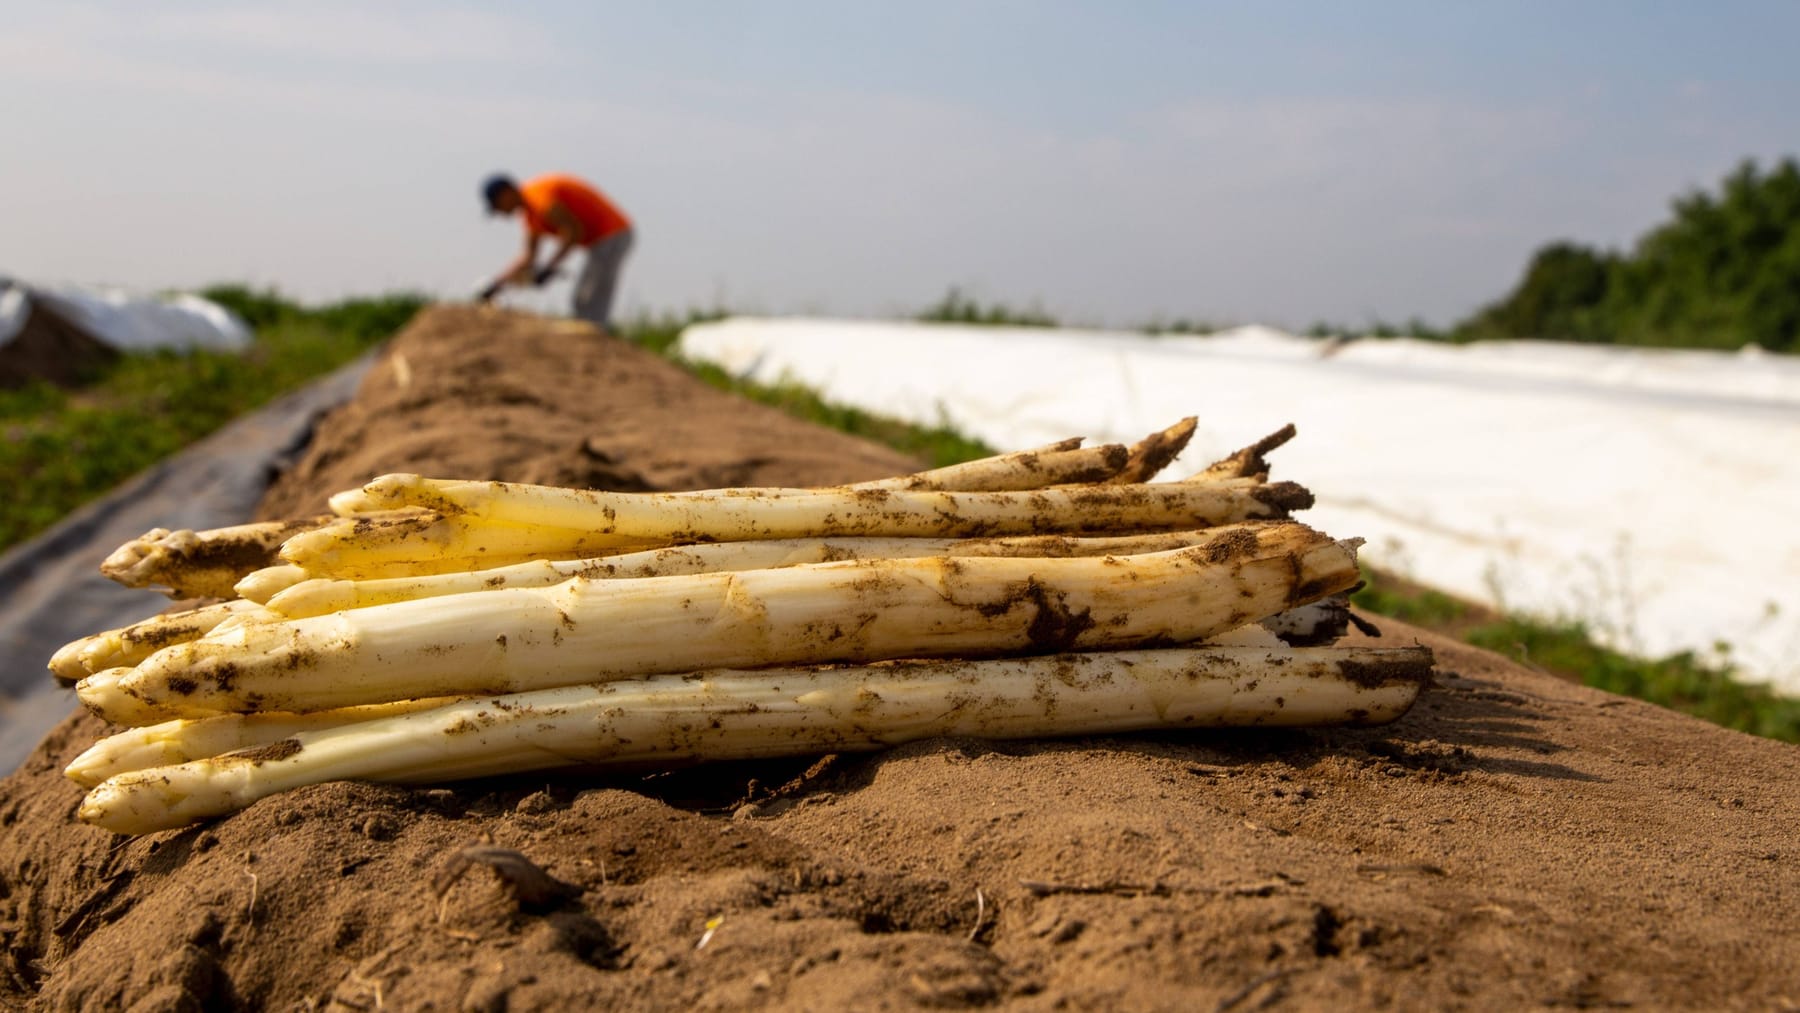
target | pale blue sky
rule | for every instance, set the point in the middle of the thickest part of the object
(1280, 162)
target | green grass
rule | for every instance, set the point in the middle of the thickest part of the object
(60, 448)
(1683, 681)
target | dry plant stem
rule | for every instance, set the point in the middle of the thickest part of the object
(591, 630)
(129, 645)
(181, 740)
(735, 515)
(724, 715)
(200, 564)
(320, 596)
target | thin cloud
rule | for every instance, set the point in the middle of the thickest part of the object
(377, 35)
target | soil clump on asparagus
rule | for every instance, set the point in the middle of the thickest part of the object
(1513, 842)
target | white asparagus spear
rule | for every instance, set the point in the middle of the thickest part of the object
(1249, 462)
(734, 515)
(351, 502)
(425, 542)
(129, 645)
(200, 564)
(185, 739)
(322, 595)
(181, 740)
(1057, 464)
(1153, 453)
(1026, 469)
(261, 585)
(1017, 470)
(860, 610)
(724, 715)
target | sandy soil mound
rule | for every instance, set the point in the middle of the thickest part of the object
(1514, 842)
(491, 394)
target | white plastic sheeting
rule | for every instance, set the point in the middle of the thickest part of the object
(126, 322)
(1652, 494)
(15, 307)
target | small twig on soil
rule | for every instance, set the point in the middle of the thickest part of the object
(373, 985)
(1039, 888)
(250, 909)
(365, 973)
(106, 892)
(1419, 867)
(1241, 994)
(1262, 889)
(980, 913)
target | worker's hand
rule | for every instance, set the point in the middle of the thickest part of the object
(543, 276)
(488, 293)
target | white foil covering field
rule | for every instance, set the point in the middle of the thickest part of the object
(1653, 494)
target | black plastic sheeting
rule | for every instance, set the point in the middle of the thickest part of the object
(51, 591)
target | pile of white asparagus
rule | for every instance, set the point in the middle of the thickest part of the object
(429, 630)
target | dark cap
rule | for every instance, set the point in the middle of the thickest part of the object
(496, 185)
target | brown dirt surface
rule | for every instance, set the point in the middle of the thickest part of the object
(1514, 842)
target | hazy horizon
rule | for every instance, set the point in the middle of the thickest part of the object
(1112, 164)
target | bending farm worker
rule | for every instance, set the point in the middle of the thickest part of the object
(571, 214)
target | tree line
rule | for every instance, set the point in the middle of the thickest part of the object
(1722, 272)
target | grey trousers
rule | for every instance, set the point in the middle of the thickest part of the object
(600, 279)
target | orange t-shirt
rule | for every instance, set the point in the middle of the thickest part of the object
(597, 215)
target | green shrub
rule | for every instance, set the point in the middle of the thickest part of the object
(1559, 298)
(957, 308)
(259, 308)
(1722, 272)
